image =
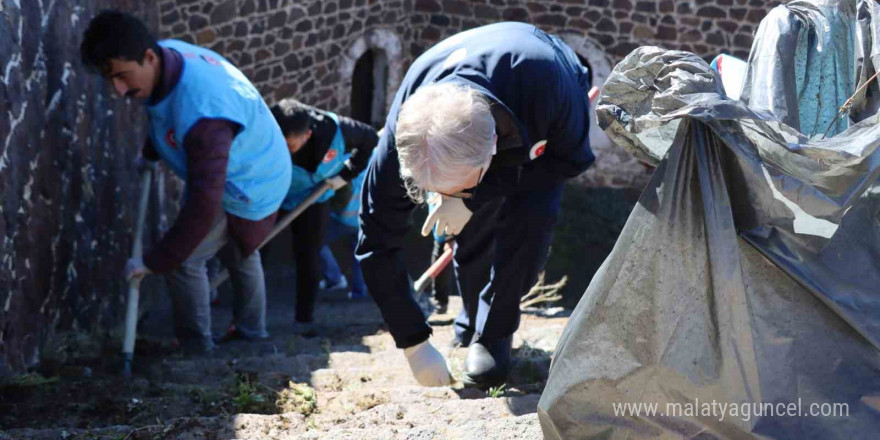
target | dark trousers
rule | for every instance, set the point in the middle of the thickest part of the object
(308, 236)
(443, 281)
(497, 260)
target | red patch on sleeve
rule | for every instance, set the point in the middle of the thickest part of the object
(169, 138)
(331, 154)
(537, 150)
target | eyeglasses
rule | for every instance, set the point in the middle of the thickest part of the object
(467, 194)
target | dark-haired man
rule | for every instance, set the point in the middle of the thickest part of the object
(323, 146)
(212, 128)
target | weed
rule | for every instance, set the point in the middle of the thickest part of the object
(247, 398)
(30, 380)
(496, 392)
(299, 398)
(312, 426)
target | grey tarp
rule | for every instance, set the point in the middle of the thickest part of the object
(749, 271)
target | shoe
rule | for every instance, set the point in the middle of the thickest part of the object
(341, 284)
(357, 295)
(488, 363)
(234, 333)
(306, 329)
(440, 307)
(193, 346)
(462, 338)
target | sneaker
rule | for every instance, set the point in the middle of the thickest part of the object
(440, 308)
(357, 295)
(305, 329)
(340, 285)
(234, 333)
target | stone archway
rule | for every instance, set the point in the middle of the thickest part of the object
(614, 167)
(385, 50)
(586, 48)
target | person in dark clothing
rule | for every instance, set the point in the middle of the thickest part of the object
(442, 284)
(493, 121)
(323, 147)
(211, 127)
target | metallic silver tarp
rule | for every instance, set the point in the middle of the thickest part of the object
(749, 272)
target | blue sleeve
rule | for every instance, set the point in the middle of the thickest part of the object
(568, 152)
(384, 221)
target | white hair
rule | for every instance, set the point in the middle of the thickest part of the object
(444, 133)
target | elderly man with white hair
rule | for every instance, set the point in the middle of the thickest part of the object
(491, 122)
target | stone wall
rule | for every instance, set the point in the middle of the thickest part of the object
(304, 49)
(67, 145)
(308, 48)
(66, 175)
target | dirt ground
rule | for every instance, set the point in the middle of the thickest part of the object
(348, 382)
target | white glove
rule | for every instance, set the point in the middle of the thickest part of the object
(450, 216)
(428, 365)
(135, 268)
(336, 182)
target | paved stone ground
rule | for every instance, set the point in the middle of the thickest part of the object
(362, 383)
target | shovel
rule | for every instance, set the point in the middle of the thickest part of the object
(132, 298)
(425, 280)
(309, 201)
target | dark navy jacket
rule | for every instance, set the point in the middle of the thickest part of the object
(538, 92)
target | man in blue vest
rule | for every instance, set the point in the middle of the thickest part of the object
(493, 120)
(211, 127)
(344, 226)
(323, 147)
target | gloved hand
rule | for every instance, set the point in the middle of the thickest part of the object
(428, 365)
(135, 268)
(450, 216)
(336, 182)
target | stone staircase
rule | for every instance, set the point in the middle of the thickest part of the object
(362, 385)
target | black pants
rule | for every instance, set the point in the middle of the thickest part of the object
(443, 280)
(308, 236)
(498, 257)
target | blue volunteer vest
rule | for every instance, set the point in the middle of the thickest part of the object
(259, 167)
(303, 182)
(349, 215)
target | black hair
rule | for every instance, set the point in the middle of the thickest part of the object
(292, 116)
(114, 34)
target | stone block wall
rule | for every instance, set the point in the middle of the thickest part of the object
(293, 48)
(308, 48)
(67, 145)
(67, 148)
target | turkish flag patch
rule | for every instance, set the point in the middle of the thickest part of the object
(331, 154)
(169, 138)
(537, 149)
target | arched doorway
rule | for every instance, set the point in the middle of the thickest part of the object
(369, 84)
(373, 65)
(586, 63)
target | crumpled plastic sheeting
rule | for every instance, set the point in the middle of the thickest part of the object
(809, 87)
(749, 272)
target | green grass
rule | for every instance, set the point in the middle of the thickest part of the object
(496, 392)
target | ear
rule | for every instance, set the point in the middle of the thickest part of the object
(150, 56)
(309, 134)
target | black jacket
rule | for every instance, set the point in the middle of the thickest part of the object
(360, 139)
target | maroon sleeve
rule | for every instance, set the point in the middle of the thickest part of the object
(207, 146)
